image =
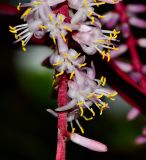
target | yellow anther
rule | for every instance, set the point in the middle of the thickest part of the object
(114, 48)
(22, 43)
(80, 103)
(43, 27)
(59, 74)
(99, 4)
(100, 16)
(54, 40)
(116, 32)
(13, 31)
(12, 28)
(100, 41)
(82, 130)
(50, 17)
(92, 111)
(36, 3)
(87, 119)
(58, 63)
(90, 95)
(65, 54)
(75, 57)
(114, 94)
(53, 82)
(18, 7)
(73, 130)
(82, 65)
(26, 13)
(16, 37)
(103, 108)
(90, 13)
(103, 81)
(108, 56)
(103, 54)
(63, 37)
(23, 49)
(61, 18)
(82, 111)
(95, 1)
(68, 29)
(85, 3)
(72, 75)
(92, 20)
(100, 96)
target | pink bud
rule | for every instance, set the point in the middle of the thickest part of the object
(136, 8)
(142, 42)
(140, 140)
(137, 22)
(132, 114)
(88, 143)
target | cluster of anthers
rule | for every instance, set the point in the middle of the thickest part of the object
(85, 28)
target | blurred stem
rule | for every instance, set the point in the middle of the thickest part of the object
(131, 43)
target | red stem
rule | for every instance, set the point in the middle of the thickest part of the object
(131, 43)
(62, 119)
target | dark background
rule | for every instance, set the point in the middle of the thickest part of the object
(27, 131)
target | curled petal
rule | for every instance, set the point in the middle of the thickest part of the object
(88, 143)
(69, 106)
(78, 16)
(137, 22)
(142, 42)
(132, 114)
(136, 8)
(90, 50)
(91, 71)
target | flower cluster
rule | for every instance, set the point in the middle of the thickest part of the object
(84, 89)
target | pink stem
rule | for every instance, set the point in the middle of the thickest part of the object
(131, 43)
(62, 100)
(62, 119)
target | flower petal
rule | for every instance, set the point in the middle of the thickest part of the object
(69, 106)
(142, 42)
(88, 143)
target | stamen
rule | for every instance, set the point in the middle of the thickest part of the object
(63, 37)
(59, 74)
(68, 29)
(82, 111)
(58, 63)
(87, 119)
(18, 7)
(54, 40)
(26, 13)
(81, 128)
(82, 65)
(72, 75)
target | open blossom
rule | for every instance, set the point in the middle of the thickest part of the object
(93, 39)
(85, 88)
(67, 62)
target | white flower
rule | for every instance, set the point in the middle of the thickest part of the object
(24, 32)
(84, 89)
(67, 62)
(57, 26)
(93, 39)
